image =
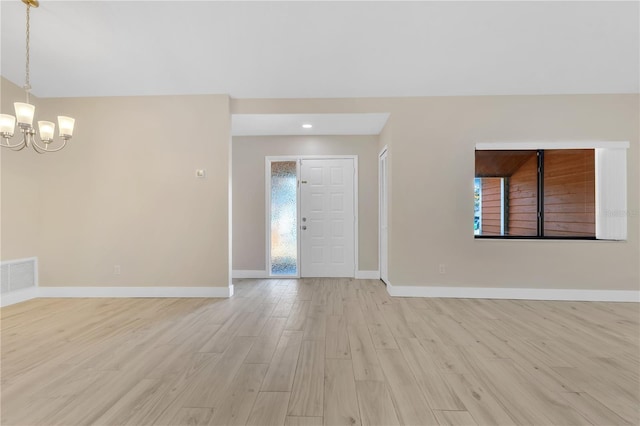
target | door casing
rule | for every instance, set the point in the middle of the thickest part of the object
(383, 214)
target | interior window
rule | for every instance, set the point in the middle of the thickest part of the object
(535, 193)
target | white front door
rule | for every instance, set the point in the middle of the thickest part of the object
(327, 218)
(384, 217)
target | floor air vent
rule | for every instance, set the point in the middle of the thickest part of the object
(18, 275)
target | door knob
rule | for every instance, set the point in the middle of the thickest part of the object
(304, 219)
(304, 228)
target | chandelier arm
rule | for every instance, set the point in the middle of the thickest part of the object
(64, 143)
(45, 149)
(8, 145)
(37, 148)
(19, 147)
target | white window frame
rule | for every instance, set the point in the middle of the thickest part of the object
(479, 206)
(503, 217)
(267, 176)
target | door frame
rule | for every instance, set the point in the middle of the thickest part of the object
(297, 158)
(383, 153)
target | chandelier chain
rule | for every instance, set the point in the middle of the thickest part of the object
(25, 111)
(27, 74)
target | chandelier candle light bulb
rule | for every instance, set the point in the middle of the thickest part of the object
(47, 129)
(25, 112)
(7, 125)
(65, 125)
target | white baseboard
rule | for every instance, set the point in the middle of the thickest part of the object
(367, 275)
(18, 296)
(247, 274)
(241, 273)
(515, 293)
(71, 292)
(135, 292)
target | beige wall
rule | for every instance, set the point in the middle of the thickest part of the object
(432, 167)
(124, 192)
(249, 191)
(20, 174)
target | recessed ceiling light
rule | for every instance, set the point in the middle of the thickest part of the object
(307, 126)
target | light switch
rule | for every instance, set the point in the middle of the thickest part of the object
(201, 173)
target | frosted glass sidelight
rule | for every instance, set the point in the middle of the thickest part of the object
(284, 218)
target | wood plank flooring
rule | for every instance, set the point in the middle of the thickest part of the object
(319, 352)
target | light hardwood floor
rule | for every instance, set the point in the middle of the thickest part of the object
(319, 351)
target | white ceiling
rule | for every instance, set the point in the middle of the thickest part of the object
(323, 124)
(324, 49)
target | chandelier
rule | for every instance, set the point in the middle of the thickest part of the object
(25, 112)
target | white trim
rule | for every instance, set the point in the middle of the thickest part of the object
(479, 205)
(533, 145)
(226, 291)
(99, 292)
(367, 275)
(241, 273)
(22, 260)
(267, 179)
(383, 155)
(310, 157)
(502, 212)
(230, 214)
(267, 213)
(515, 293)
(611, 194)
(298, 221)
(542, 240)
(18, 296)
(356, 215)
(258, 274)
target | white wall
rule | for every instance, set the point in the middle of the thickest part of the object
(249, 191)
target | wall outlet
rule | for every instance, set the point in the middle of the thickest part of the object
(442, 268)
(116, 270)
